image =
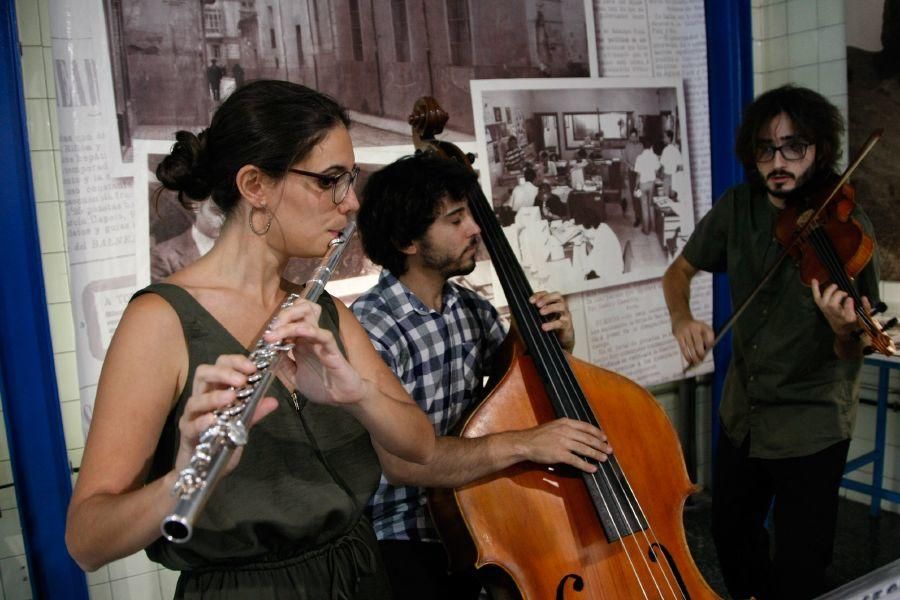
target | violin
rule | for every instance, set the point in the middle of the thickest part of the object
(835, 249)
(830, 246)
(539, 532)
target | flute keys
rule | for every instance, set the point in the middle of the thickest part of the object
(203, 453)
(237, 434)
(231, 411)
(189, 482)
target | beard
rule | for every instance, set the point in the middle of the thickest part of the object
(801, 184)
(448, 265)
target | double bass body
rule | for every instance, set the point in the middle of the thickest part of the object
(534, 530)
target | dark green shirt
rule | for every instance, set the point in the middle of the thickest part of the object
(785, 386)
(287, 522)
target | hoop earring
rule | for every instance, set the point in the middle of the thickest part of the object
(269, 216)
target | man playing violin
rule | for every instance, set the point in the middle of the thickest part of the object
(440, 339)
(792, 387)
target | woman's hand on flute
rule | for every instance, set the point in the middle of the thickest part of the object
(215, 387)
(321, 373)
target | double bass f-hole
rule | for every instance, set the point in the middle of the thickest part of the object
(577, 585)
(653, 554)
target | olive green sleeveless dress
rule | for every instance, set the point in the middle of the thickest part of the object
(288, 521)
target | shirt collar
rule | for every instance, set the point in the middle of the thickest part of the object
(403, 300)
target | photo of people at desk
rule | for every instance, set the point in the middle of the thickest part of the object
(591, 183)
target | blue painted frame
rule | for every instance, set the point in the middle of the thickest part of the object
(875, 457)
(729, 56)
(27, 375)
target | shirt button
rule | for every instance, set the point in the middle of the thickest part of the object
(753, 378)
(754, 346)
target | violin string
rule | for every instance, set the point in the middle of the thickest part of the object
(547, 346)
(827, 254)
(539, 343)
(838, 274)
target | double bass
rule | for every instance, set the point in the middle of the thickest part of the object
(538, 532)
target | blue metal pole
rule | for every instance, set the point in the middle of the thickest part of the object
(884, 382)
(27, 376)
(729, 55)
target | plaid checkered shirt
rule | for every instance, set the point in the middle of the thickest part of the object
(441, 359)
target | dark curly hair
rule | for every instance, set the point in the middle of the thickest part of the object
(267, 123)
(401, 201)
(815, 119)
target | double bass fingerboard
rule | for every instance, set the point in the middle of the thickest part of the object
(618, 509)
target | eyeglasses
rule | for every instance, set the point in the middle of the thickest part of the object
(338, 184)
(793, 150)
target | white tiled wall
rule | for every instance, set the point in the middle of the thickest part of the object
(804, 42)
(801, 42)
(133, 578)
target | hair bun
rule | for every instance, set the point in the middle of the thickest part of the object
(184, 169)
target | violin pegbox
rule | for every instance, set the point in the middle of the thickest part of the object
(875, 331)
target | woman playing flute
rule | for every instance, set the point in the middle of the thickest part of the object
(286, 521)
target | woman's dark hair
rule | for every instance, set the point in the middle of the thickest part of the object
(401, 201)
(815, 119)
(267, 123)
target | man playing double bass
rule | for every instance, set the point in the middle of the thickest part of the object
(792, 387)
(440, 339)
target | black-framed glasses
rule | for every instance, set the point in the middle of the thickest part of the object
(339, 184)
(792, 150)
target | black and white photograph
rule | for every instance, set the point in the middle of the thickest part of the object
(590, 179)
(174, 62)
(179, 233)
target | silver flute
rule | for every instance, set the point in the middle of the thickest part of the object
(218, 442)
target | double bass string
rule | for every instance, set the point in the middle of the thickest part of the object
(555, 359)
(547, 346)
(517, 295)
